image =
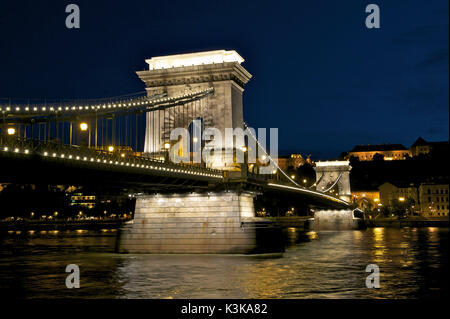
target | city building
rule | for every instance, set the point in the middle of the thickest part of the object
(420, 146)
(391, 193)
(290, 161)
(368, 199)
(87, 201)
(434, 199)
(387, 151)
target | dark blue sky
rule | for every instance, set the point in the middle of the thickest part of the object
(319, 75)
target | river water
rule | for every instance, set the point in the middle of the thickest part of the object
(413, 263)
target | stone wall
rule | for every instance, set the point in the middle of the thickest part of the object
(335, 220)
(191, 223)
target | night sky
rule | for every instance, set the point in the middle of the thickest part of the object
(319, 75)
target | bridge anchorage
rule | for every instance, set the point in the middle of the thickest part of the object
(204, 206)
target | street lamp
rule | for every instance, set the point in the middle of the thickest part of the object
(83, 126)
(293, 176)
(304, 181)
(111, 148)
(402, 199)
(166, 154)
(11, 131)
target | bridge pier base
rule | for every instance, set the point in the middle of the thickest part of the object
(195, 223)
(337, 220)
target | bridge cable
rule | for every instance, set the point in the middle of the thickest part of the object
(270, 158)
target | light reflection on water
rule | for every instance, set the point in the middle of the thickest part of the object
(413, 264)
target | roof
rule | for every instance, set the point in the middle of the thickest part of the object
(379, 147)
(401, 184)
(420, 142)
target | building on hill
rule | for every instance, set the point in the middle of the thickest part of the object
(294, 161)
(420, 146)
(384, 151)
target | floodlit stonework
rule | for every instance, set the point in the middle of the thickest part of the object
(220, 222)
(330, 172)
(180, 74)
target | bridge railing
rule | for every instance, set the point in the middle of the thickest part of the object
(83, 153)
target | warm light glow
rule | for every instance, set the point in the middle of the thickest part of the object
(111, 148)
(122, 155)
(402, 199)
(293, 176)
(244, 149)
(195, 139)
(388, 158)
(166, 146)
(190, 59)
(332, 163)
(83, 126)
(304, 181)
(376, 200)
(11, 131)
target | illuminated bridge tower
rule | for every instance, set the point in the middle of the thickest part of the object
(332, 173)
(177, 75)
(220, 221)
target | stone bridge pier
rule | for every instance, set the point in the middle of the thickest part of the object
(330, 174)
(199, 223)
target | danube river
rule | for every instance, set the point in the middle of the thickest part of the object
(413, 263)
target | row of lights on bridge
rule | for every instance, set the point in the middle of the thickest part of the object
(84, 127)
(104, 106)
(175, 170)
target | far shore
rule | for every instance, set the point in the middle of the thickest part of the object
(61, 224)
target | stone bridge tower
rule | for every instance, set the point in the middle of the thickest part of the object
(331, 173)
(176, 75)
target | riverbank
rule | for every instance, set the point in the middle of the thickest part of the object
(408, 222)
(62, 224)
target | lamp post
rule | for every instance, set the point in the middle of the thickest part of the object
(84, 127)
(166, 154)
(11, 131)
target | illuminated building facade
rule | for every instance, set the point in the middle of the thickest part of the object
(389, 152)
(434, 199)
(87, 201)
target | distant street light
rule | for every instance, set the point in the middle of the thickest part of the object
(304, 181)
(402, 199)
(166, 146)
(83, 126)
(293, 176)
(111, 148)
(11, 131)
